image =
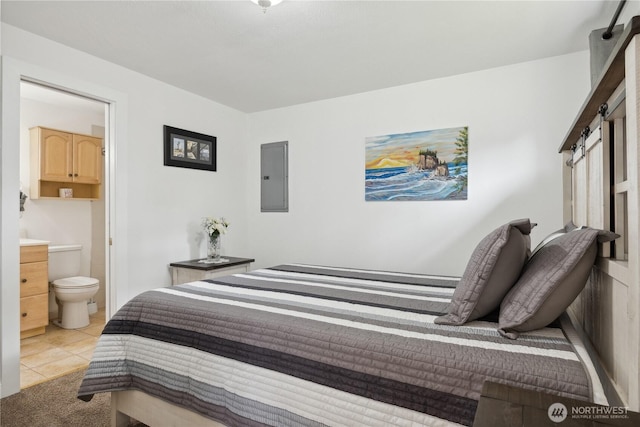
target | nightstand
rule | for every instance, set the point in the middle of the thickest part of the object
(192, 270)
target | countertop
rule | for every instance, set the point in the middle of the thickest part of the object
(33, 242)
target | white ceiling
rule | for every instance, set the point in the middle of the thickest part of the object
(302, 51)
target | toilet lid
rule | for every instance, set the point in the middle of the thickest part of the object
(75, 282)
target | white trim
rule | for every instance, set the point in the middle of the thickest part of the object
(10, 240)
(13, 72)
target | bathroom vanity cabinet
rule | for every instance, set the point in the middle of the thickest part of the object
(34, 290)
(62, 159)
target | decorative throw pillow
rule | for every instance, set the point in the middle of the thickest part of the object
(568, 227)
(493, 268)
(551, 280)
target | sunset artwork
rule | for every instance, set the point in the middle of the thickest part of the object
(425, 165)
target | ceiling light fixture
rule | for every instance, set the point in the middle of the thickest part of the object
(264, 4)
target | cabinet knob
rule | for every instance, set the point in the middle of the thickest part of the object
(24, 314)
(75, 174)
(70, 175)
(23, 280)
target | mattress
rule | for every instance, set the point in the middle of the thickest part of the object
(302, 345)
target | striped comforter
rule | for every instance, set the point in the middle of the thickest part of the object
(308, 345)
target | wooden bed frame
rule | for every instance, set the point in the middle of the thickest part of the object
(601, 182)
(152, 411)
(601, 190)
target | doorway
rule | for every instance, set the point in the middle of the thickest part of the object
(15, 71)
(59, 221)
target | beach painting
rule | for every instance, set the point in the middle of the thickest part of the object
(426, 165)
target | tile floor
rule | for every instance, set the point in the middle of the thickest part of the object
(58, 351)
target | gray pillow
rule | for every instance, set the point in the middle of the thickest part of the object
(551, 280)
(568, 227)
(492, 270)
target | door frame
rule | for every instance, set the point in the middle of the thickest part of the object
(116, 107)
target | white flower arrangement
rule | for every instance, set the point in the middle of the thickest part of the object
(215, 226)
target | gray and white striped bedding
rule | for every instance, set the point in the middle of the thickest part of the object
(301, 345)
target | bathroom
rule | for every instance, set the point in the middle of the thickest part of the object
(62, 221)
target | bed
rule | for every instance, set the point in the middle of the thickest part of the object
(313, 345)
(310, 345)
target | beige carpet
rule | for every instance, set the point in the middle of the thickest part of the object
(54, 404)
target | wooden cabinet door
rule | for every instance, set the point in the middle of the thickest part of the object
(34, 253)
(87, 159)
(56, 156)
(34, 312)
(34, 278)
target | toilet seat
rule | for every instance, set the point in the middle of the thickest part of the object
(72, 295)
(75, 282)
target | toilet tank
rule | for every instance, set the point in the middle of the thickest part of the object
(64, 261)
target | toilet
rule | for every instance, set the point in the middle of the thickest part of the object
(72, 292)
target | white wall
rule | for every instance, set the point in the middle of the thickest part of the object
(159, 207)
(58, 221)
(164, 204)
(517, 118)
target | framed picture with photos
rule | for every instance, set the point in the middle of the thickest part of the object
(187, 149)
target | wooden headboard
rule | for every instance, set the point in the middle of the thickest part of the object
(601, 182)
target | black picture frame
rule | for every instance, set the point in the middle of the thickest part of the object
(187, 149)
